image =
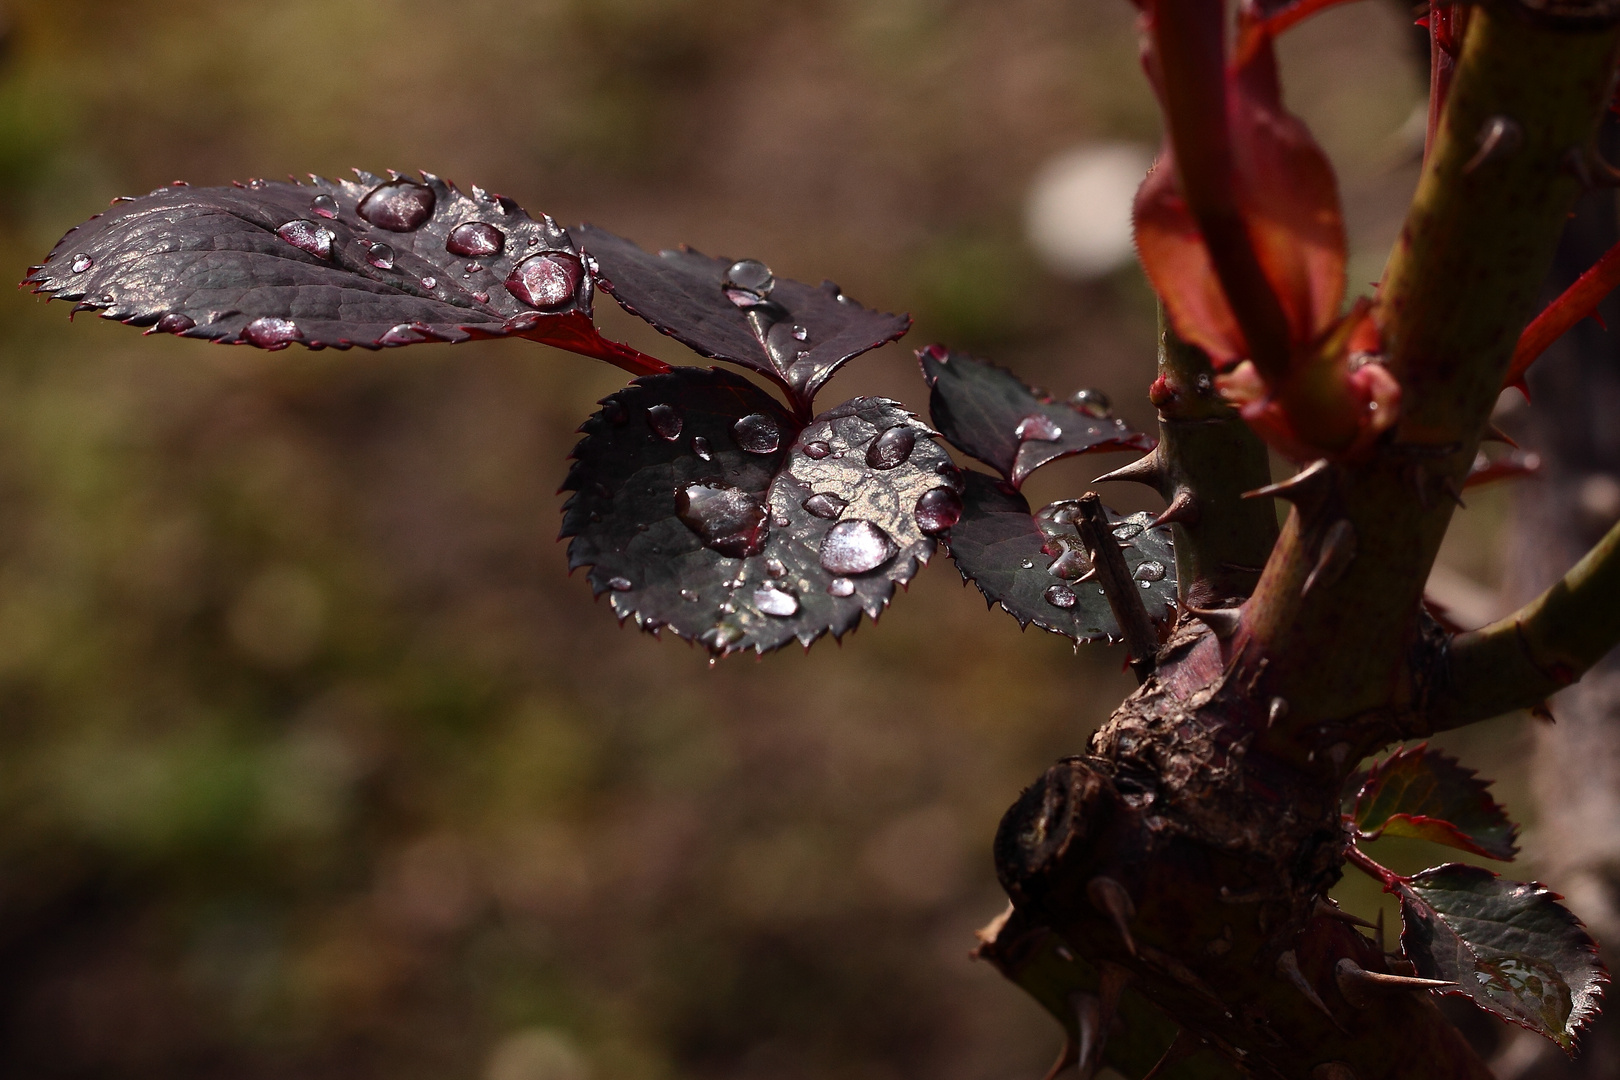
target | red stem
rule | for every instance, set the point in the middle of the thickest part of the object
(1361, 861)
(1576, 303)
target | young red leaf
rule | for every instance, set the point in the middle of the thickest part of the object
(1510, 465)
(1420, 792)
(1574, 304)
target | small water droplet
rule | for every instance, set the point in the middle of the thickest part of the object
(728, 608)
(475, 239)
(937, 510)
(1027, 564)
(840, 586)
(727, 519)
(175, 323)
(269, 332)
(398, 206)
(689, 595)
(757, 434)
(854, 547)
(324, 206)
(783, 347)
(800, 334)
(665, 421)
(258, 183)
(1092, 403)
(308, 236)
(891, 448)
(470, 269)
(774, 567)
(381, 256)
(816, 450)
(781, 521)
(620, 584)
(481, 297)
(1150, 570)
(700, 447)
(773, 600)
(430, 283)
(546, 281)
(1039, 427)
(825, 505)
(82, 262)
(1061, 596)
(1129, 530)
(750, 275)
(403, 334)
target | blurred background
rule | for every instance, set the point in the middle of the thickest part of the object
(315, 763)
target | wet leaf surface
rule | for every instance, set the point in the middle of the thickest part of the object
(1510, 946)
(1420, 792)
(739, 312)
(374, 263)
(988, 412)
(700, 505)
(1031, 564)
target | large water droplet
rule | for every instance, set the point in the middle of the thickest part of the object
(938, 509)
(727, 519)
(1150, 570)
(1073, 560)
(308, 236)
(891, 448)
(398, 206)
(381, 256)
(816, 450)
(1127, 531)
(324, 206)
(174, 323)
(620, 584)
(757, 434)
(750, 275)
(475, 239)
(1092, 403)
(269, 332)
(952, 476)
(840, 586)
(700, 447)
(854, 547)
(665, 421)
(773, 600)
(82, 262)
(1040, 427)
(546, 281)
(825, 505)
(1061, 596)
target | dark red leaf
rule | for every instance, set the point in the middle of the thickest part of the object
(1420, 792)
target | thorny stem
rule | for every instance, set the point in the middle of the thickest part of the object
(1124, 599)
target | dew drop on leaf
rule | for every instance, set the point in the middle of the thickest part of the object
(727, 519)
(398, 206)
(840, 586)
(324, 206)
(381, 256)
(825, 505)
(1092, 403)
(700, 447)
(776, 601)
(621, 584)
(817, 450)
(475, 239)
(403, 334)
(1128, 531)
(175, 323)
(854, 547)
(308, 236)
(757, 434)
(689, 596)
(1073, 560)
(1061, 596)
(546, 281)
(784, 346)
(1027, 564)
(750, 275)
(891, 449)
(774, 567)
(430, 283)
(82, 262)
(1150, 570)
(665, 421)
(937, 510)
(270, 332)
(800, 334)
(1039, 427)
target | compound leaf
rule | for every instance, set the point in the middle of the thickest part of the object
(332, 264)
(1423, 793)
(1508, 945)
(1031, 564)
(739, 312)
(701, 505)
(988, 412)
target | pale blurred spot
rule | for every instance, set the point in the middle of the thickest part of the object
(1599, 499)
(541, 872)
(537, 1054)
(916, 859)
(432, 885)
(1078, 218)
(279, 617)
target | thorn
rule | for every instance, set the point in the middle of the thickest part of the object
(1066, 1057)
(1307, 486)
(1288, 971)
(1278, 710)
(1361, 987)
(1222, 622)
(1326, 909)
(1496, 434)
(1109, 897)
(1500, 137)
(1183, 1046)
(1088, 1022)
(1183, 510)
(1543, 713)
(1114, 981)
(1449, 486)
(1147, 469)
(1334, 557)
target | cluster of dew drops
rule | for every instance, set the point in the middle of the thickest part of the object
(1071, 561)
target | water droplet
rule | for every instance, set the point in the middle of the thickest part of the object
(430, 283)
(727, 608)
(781, 521)
(891, 448)
(175, 323)
(403, 334)
(1039, 427)
(1127, 531)
(728, 519)
(783, 347)
(1061, 596)
(840, 586)
(620, 584)
(1150, 570)
(324, 206)
(308, 236)
(481, 297)
(952, 476)
(750, 275)
(546, 281)
(381, 256)
(774, 567)
(776, 601)
(1073, 560)
(1028, 564)
(800, 334)
(82, 262)
(817, 450)
(475, 239)
(700, 447)
(854, 547)
(270, 333)
(937, 510)
(757, 434)
(1092, 403)
(825, 505)
(689, 595)
(665, 421)
(470, 269)
(398, 206)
